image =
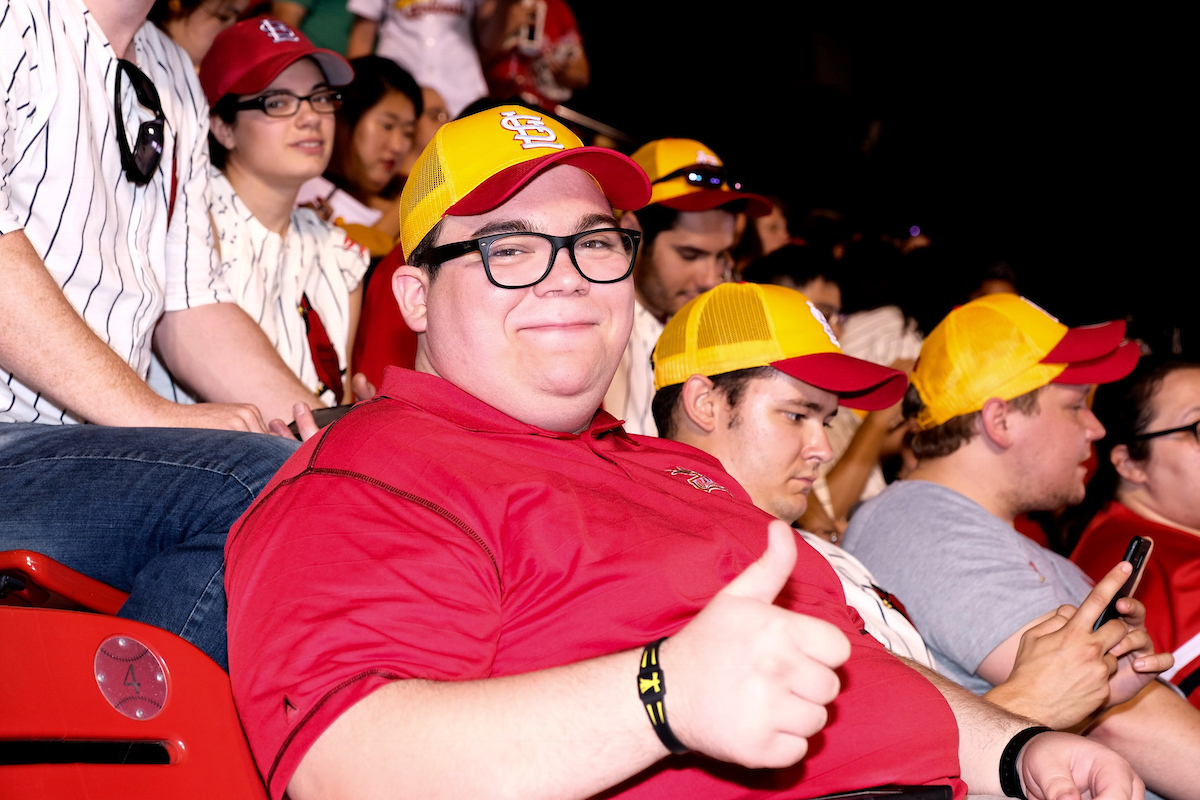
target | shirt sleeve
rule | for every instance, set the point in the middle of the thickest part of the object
(193, 275)
(14, 85)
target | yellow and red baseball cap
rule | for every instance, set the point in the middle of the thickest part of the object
(1003, 346)
(474, 164)
(246, 57)
(688, 176)
(743, 325)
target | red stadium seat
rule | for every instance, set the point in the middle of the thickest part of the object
(99, 707)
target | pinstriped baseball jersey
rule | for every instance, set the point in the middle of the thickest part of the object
(107, 242)
(268, 275)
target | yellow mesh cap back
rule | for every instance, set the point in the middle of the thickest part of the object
(738, 326)
(990, 347)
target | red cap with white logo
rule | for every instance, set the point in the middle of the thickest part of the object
(245, 58)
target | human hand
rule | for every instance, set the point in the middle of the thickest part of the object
(219, 416)
(1137, 663)
(363, 388)
(321, 206)
(748, 681)
(1062, 668)
(1062, 766)
(306, 426)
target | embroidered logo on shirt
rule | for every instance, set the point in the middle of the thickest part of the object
(698, 481)
(530, 130)
(278, 31)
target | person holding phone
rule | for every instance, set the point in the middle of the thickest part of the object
(1146, 486)
(1000, 395)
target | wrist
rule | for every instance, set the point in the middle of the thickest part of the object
(1010, 775)
(652, 693)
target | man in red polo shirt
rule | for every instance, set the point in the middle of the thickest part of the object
(476, 584)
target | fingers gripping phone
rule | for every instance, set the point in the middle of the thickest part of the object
(1137, 553)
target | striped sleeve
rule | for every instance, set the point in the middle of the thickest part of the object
(192, 271)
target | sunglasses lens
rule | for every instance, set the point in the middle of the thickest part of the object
(148, 150)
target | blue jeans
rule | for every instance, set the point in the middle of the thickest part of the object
(143, 509)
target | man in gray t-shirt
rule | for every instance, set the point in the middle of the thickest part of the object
(1000, 394)
(968, 592)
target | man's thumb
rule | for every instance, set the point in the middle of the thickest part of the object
(764, 579)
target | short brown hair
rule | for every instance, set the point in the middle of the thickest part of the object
(731, 384)
(956, 431)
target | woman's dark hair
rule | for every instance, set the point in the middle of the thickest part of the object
(799, 263)
(1125, 408)
(161, 13)
(226, 109)
(375, 76)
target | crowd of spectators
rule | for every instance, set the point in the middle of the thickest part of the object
(299, 207)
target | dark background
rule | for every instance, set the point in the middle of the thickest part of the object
(1055, 139)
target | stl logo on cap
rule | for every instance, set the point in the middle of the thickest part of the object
(526, 126)
(705, 157)
(278, 31)
(819, 317)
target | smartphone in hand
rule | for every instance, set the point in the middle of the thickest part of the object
(1137, 553)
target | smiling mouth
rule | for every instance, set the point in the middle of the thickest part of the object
(559, 326)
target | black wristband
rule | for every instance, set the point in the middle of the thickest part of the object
(1010, 781)
(652, 690)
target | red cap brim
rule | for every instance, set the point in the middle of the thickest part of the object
(621, 179)
(337, 71)
(1087, 342)
(708, 199)
(1112, 366)
(857, 383)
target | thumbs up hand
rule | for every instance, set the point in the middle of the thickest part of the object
(748, 680)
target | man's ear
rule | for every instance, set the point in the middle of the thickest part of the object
(996, 421)
(1125, 466)
(222, 131)
(410, 285)
(701, 403)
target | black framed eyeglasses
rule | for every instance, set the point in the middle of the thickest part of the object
(519, 260)
(286, 104)
(1193, 429)
(141, 161)
(702, 176)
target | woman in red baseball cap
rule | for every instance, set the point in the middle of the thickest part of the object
(273, 97)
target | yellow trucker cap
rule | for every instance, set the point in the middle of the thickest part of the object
(742, 325)
(474, 164)
(1003, 346)
(688, 176)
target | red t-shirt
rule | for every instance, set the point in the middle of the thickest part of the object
(428, 535)
(383, 339)
(1170, 586)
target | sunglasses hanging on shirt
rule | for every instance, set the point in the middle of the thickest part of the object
(141, 162)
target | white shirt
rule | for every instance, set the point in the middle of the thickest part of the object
(432, 39)
(881, 619)
(106, 241)
(269, 274)
(881, 335)
(630, 394)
